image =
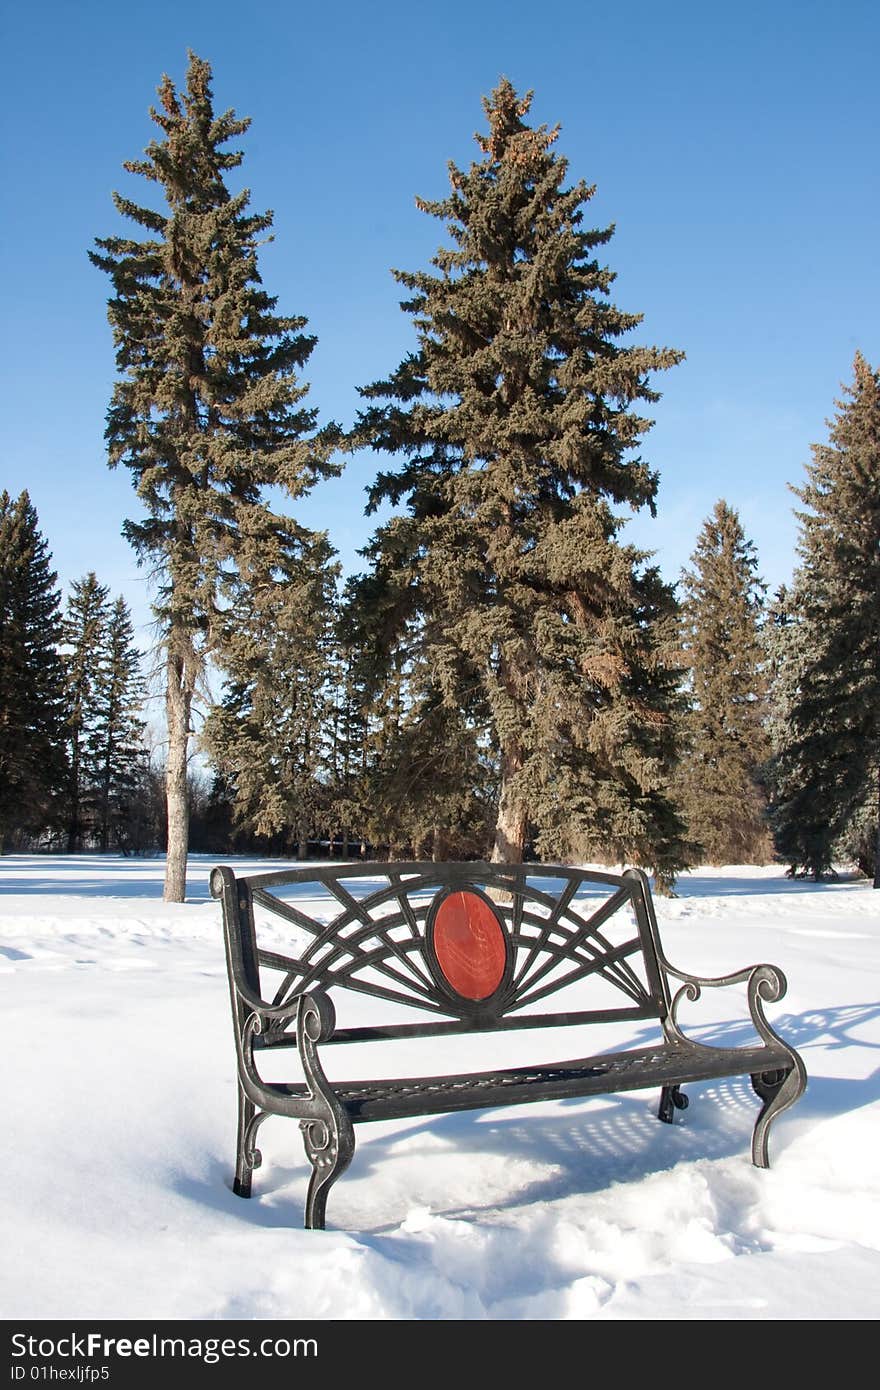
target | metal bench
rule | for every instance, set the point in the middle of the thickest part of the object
(478, 949)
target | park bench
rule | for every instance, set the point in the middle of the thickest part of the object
(474, 949)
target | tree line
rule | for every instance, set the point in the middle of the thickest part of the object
(74, 771)
(509, 676)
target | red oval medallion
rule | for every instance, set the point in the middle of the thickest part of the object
(470, 945)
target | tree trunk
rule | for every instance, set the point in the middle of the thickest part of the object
(512, 824)
(437, 846)
(178, 698)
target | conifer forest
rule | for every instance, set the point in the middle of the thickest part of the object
(508, 676)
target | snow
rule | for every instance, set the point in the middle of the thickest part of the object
(119, 1097)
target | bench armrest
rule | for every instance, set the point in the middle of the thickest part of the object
(764, 983)
(315, 1021)
(313, 1013)
(265, 1012)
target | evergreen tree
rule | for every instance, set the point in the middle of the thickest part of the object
(347, 763)
(116, 749)
(208, 411)
(797, 816)
(514, 419)
(32, 760)
(433, 784)
(428, 774)
(826, 767)
(270, 736)
(781, 638)
(83, 634)
(722, 796)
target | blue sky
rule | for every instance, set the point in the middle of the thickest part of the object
(734, 147)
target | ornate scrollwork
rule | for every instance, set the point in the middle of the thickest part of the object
(768, 983)
(328, 1134)
(781, 1086)
(381, 941)
(321, 1144)
(253, 1027)
(691, 991)
(327, 1131)
(763, 983)
(250, 1154)
(315, 1022)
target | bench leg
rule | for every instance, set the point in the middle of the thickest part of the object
(247, 1156)
(672, 1098)
(778, 1090)
(329, 1147)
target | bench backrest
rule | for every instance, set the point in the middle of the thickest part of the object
(473, 945)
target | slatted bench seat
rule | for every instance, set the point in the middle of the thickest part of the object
(476, 948)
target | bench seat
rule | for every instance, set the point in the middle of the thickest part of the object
(663, 1065)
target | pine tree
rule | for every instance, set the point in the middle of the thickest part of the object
(33, 769)
(207, 413)
(722, 795)
(826, 767)
(270, 736)
(515, 424)
(83, 633)
(117, 754)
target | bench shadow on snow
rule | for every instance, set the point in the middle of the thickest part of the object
(694, 884)
(581, 1146)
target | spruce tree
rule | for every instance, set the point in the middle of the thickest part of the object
(433, 784)
(798, 765)
(116, 749)
(348, 741)
(721, 790)
(270, 736)
(428, 771)
(33, 771)
(208, 411)
(826, 767)
(83, 633)
(515, 424)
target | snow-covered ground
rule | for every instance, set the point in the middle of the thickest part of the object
(119, 1108)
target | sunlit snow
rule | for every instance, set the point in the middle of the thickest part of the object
(118, 1140)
